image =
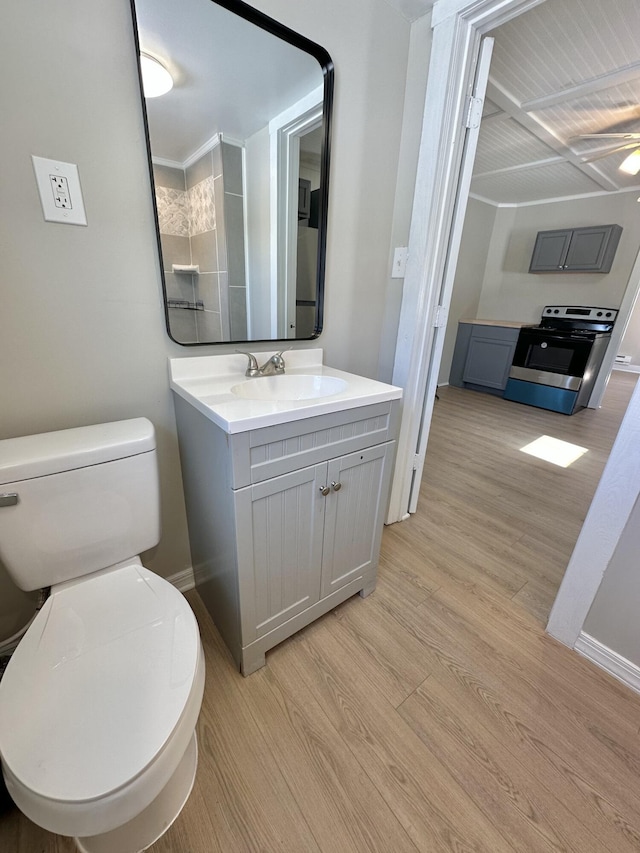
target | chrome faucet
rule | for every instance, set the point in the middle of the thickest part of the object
(273, 366)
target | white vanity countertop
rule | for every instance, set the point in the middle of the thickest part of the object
(206, 382)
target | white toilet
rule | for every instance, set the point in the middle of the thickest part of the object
(99, 703)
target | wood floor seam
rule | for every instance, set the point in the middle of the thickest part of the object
(435, 715)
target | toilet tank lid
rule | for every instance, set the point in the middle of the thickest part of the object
(31, 456)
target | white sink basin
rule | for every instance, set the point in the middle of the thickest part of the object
(289, 387)
(217, 387)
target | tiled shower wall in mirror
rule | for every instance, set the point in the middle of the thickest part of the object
(201, 215)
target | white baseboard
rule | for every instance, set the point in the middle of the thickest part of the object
(183, 580)
(612, 662)
(629, 368)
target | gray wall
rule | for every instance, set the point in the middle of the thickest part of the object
(510, 293)
(492, 279)
(416, 86)
(82, 336)
(613, 617)
(467, 286)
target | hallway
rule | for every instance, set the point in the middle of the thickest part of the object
(499, 517)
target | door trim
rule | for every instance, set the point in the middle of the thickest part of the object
(458, 26)
(610, 510)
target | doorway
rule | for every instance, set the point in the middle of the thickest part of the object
(457, 31)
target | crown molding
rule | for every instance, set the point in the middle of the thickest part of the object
(597, 194)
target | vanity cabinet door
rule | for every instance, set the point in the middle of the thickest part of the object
(279, 540)
(354, 509)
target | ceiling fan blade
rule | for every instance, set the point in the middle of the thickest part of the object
(612, 151)
(608, 136)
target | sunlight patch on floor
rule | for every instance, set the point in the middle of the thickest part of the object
(554, 450)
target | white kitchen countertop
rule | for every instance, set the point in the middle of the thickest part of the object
(507, 324)
(206, 382)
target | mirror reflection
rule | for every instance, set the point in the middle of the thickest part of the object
(239, 152)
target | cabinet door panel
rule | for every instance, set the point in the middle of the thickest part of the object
(589, 249)
(489, 361)
(279, 536)
(353, 519)
(550, 251)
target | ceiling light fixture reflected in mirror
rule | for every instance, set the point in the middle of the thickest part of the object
(156, 80)
(239, 162)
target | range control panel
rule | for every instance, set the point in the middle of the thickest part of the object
(572, 312)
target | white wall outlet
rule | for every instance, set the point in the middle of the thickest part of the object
(59, 188)
(399, 262)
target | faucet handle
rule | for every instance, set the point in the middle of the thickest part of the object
(252, 367)
(278, 361)
(278, 355)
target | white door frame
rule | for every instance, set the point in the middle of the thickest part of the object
(475, 101)
(622, 321)
(610, 510)
(285, 131)
(458, 26)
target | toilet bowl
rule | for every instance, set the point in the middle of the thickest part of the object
(99, 703)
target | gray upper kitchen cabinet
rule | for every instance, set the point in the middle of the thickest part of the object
(285, 522)
(589, 249)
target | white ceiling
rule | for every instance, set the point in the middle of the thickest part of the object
(564, 68)
(230, 76)
(412, 9)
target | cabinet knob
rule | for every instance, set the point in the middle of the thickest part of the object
(324, 490)
(336, 486)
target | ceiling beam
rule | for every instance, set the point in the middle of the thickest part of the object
(507, 103)
(534, 164)
(596, 84)
(498, 115)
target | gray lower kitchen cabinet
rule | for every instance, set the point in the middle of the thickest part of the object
(482, 357)
(285, 522)
(489, 357)
(589, 249)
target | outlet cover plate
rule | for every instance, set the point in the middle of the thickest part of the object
(60, 193)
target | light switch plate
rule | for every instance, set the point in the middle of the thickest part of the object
(60, 193)
(399, 262)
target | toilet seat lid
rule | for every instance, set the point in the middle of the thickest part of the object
(98, 683)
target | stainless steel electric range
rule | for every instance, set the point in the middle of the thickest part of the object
(556, 363)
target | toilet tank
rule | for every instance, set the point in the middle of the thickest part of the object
(77, 500)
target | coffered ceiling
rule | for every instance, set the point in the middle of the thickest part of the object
(565, 68)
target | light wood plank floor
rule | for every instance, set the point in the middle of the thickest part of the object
(435, 715)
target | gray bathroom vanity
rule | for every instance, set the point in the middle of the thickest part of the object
(285, 497)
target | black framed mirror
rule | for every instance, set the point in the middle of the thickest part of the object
(239, 159)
